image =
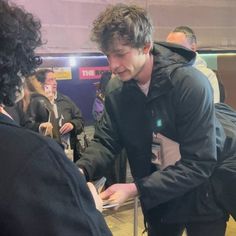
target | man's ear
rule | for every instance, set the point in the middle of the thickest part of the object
(147, 47)
(194, 47)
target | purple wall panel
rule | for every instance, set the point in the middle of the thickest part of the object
(81, 91)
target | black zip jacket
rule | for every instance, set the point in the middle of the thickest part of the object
(179, 105)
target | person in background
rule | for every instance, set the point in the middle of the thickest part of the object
(68, 115)
(34, 111)
(186, 37)
(158, 103)
(98, 105)
(39, 110)
(41, 191)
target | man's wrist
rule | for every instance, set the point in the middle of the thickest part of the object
(133, 190)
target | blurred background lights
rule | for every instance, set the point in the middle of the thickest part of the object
(72, 61)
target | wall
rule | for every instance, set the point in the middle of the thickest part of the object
(66, 26)
(224, 64)
(67, 23)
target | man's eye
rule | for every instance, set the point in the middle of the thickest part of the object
(120, 54)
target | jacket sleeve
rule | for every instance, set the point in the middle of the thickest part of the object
(103, 148)
(54, 196)
(36, 114)
(195, 132)
(76, 117)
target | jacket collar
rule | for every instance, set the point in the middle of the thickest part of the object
(7, 120)
(58, 96)
(167, 58)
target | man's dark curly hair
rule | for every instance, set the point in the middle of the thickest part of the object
(130, 24)
(19, 36)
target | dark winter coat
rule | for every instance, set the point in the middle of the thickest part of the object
(41, 190)
(224, 176)
(39, 110)
(69, 112)
(179, 106)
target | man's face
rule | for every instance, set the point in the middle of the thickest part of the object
(181, 39)
(51, 80)
(125, 61)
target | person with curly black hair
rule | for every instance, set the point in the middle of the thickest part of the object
(41, 190)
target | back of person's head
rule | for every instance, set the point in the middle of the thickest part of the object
(19, 36)
(184, 36)
(31, 86)
(41, 74)
(128, 24)
(34, 85)
(189, 33)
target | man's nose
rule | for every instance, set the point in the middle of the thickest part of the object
(114, 64)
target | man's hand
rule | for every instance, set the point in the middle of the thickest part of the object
(119, 193)
(66, 128)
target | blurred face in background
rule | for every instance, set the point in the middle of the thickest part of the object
(181, 39)
(50, 81)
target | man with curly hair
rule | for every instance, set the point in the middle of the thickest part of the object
(41, 190)
(160, 109)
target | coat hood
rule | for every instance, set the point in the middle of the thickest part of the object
(174, 52)
(168, 56)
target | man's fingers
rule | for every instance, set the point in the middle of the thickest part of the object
(105, 194)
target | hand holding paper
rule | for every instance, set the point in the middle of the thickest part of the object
(118, 194)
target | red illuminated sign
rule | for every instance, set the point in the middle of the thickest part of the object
(92, 72)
